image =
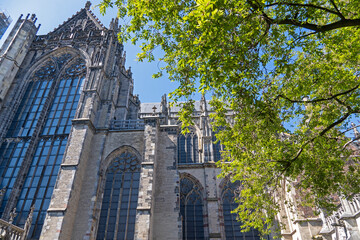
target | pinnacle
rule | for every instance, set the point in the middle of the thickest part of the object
(87, 5)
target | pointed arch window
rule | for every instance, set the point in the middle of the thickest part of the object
(191, 210)
(41, 177)
(66, 99)
(217, 148)
(50, 98)
(118, 208)
(32, 104)
(188, 148)
(232, 226)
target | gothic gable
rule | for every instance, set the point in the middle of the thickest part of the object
(80, 24)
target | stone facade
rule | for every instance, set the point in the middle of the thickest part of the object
(111, 136)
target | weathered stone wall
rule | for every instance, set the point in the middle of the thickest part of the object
(145, 198)
(105, 146)
(166, 214)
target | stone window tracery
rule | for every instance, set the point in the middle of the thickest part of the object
(191, 210)
(188, 148)
(232, 226)
(118, 208)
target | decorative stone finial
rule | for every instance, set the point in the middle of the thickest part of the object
(87, 5)
(12, 215)
(203, 106)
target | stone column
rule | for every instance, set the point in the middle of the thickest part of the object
(145, 198)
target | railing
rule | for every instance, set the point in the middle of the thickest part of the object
(9, 231)
(335, 219)
(127, 125)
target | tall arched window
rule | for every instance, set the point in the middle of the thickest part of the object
(13, 153)
(45, 112)
(45, 165)
(232, 226)
(118, 208)
(188, 148)
(191, 210)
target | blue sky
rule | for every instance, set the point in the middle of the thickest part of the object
(52, 13)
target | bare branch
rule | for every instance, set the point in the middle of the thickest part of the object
(349, 142)
(349, 129)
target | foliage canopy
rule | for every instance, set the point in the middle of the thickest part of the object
(274, 63)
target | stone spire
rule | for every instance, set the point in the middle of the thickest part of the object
(87, 5)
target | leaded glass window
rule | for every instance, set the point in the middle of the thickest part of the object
(59, 109)
(217, 148)
(188, 148)
(191, 210)
(67, 96)
(118, 208)
(12, 155)
(32, 103)
(232, 226)
(40, 182)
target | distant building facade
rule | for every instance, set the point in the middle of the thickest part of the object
(5, 21)
(82, 158)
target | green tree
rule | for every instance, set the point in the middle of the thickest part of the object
(272, 63)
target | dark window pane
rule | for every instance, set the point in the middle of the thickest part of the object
(120, 180)
(192, 214)
(232, 226)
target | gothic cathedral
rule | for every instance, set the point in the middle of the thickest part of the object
(82, 158)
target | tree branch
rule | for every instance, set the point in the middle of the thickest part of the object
(317, 28)
(342, 103)
(306, 6)
(347, 130)
(318, 99)
(340, 120)
(304, 36)
(314, 27)
(349, 142)
(322, 133)
(337, 10)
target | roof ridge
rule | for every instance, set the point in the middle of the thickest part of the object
(96, 18)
